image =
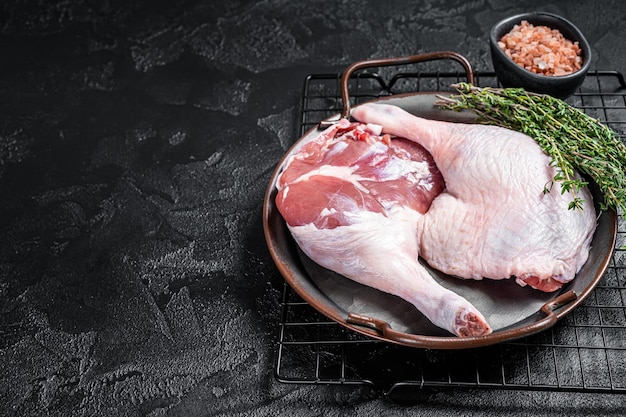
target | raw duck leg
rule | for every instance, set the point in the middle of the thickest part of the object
(353, 201)
(494, 219)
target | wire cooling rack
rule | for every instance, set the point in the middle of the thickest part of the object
(584, 352)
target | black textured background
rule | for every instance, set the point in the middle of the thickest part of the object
(136, 142)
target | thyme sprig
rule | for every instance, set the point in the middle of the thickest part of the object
(572, 139)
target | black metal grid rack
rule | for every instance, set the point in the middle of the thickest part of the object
(584, 352)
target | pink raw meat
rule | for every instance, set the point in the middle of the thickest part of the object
(494, 219)
(353, 201)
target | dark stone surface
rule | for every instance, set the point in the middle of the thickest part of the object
(136, 142)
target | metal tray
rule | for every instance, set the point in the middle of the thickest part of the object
(512, 311)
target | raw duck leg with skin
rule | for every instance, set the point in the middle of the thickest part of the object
(353, 201)
(494, 219)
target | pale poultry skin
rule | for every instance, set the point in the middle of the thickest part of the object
(494, 219)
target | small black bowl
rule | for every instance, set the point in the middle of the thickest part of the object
(510, 74)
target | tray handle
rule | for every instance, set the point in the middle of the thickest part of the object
(385, 330)
(383, 62)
